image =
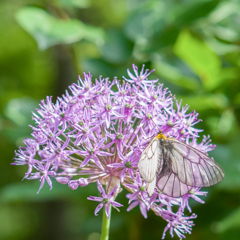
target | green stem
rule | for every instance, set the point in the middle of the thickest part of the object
(106, 224)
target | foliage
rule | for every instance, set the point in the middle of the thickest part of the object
(194, 47)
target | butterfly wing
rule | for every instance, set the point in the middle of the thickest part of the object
(151, 186)
(189, 168)
(149, 160)
(172, 186)
(193, 167)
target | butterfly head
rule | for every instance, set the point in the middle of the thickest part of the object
(161, 135)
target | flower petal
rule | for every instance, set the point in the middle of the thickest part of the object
(107, 210)
(101, 189)
(98, 208)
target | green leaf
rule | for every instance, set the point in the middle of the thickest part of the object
(19, 110)
(226, 122)
(222, 48)
(223, 11)
(226, 34)
(116, 48)
(225, 77)
(200, 58)
(47, 30)
(95, 35)
(75, 3)
(222, 126)
(227, 156)
(99, 67)
(166, 37)
(237, 98)
(206, 102)
(195, 11)
(143, 24)
(173, 75)
(231, 221)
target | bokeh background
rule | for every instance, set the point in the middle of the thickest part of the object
(45, 44)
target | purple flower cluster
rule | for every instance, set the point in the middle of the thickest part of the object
(97, 131)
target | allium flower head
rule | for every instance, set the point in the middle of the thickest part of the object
(95, 134)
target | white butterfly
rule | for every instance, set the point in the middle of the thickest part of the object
(175, 167)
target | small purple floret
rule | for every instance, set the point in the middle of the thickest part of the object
(106, 200)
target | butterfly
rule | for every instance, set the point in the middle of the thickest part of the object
(176, 167)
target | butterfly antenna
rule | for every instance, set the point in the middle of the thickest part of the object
(159, 130)
(156, 126)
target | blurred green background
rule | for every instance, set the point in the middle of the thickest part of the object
(45, 44)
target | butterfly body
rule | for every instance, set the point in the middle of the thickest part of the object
(176, 167)
(166, 163)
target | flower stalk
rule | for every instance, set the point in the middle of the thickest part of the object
(106, 225)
